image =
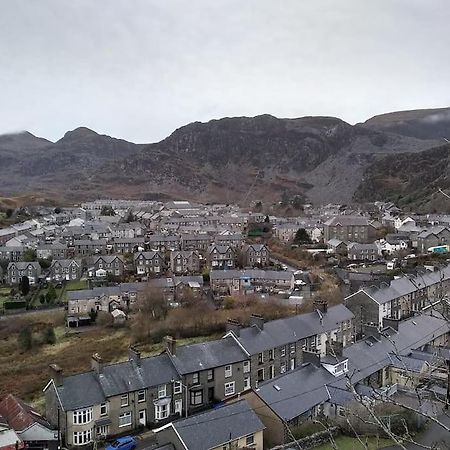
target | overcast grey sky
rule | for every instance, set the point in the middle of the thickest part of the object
(138, 69)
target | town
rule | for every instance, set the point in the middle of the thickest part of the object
(215, 326)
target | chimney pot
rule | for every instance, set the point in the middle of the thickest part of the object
(57, 374)
(234, 326)
(257, 320)
(171, 345)
(97, 363)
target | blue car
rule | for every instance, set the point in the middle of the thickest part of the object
(123, 443)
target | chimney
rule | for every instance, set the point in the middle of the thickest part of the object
(96, 363)
(171, 345)
(234, 326)
(257, 320)
(321, 305)
(56, 374)
(134, 355)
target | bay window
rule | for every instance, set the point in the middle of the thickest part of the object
(82, 416)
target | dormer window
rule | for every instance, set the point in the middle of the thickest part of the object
(335, 365)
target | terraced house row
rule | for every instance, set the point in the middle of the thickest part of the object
(118, 398)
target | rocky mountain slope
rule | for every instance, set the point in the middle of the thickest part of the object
(227, 160)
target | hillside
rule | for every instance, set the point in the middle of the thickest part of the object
(227, 160)
(410, 181)
(420, 124)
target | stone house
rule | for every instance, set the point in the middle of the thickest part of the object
(221, 257)
(348, 229)
(128, 244)
(232, 426)
(56, 250)
(362, 252)
(86, 247)
(107, 265)
(17, 270)
(256, 255)
(12, 254)
(433, 237)
(148, 262)
(65, 269)
(184, 262)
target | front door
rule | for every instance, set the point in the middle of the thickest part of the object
(142, 417)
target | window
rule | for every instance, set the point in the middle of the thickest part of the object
(195, 378)
(196, 397)
(246, 366)
(229, 388)
(247, 383)
(260, 375)
(124, 400)
(82, 437)
(211, 374)
(228, 371)
(161, 391)
(103, 430)
(162, 411)
(292, 348)
(261, 358)
(178, 407)
(82, 416)
(340, 411)
(283, 351)
(141, 396)
(271, 372)
(283, 367)
(250, 439)
(271, 354)
(177, 387)
(292, 363)
(125, 419)
(103, 409)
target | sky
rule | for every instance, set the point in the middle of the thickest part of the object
(138, 69)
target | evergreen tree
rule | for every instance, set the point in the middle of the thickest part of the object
(25, 339)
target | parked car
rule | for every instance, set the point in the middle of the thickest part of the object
(123, 443)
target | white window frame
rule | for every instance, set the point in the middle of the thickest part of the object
(103, 407)
(283, 367)
(230, 388)
(195, 378)
(177, 387)
(82, 416)
(162, 391)
(178, 406)
(228, 371)
(126, 415)
(162, 411)
(250, 440)
(82, 437)
(247, 366)
(283, 351)
(247, 383)
(124, 400)
(141, 396)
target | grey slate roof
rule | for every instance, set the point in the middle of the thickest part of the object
(347, 221)
(207, 355)
(87, 389)
(251, 273)
(219, 426)
(284, 331)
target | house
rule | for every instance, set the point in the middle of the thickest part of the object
(55, 250)
(285, 231)
(321, 385)
(30, 427)
(162, 243)
(221, 257)
(433, 237)
(113, 399)
(184, 262)
(229, 282)
(86, 247)
(148, 262)
(348, 229)
(231, 426)
(128, 244)
(277, 347)
(17, 270)
(394, 242)
(107, 265)
(399, 299)
(338, 247)
(234, 240)
(256, 255)
(362, 252)
(8, 437)
(199, 242)
(65, 269)
(12, 254)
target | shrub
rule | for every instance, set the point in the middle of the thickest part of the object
(49, 335)
(25, 339)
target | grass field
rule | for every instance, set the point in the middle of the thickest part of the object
(349, 443)
(26, 373)
(4, 295)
